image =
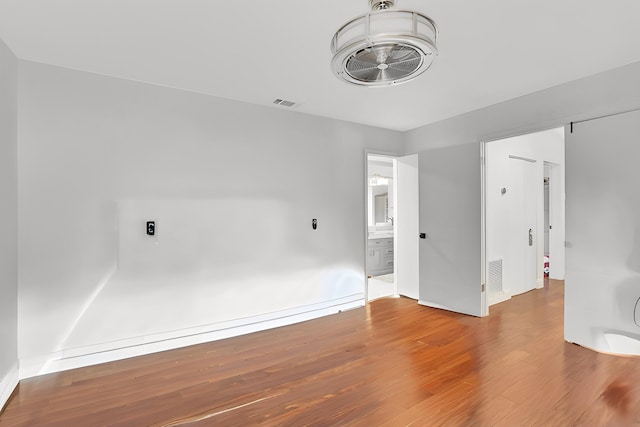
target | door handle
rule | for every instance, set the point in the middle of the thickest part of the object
(530, 237)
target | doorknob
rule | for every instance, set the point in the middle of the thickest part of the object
(530, 237)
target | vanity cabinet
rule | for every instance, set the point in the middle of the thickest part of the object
(380, 256)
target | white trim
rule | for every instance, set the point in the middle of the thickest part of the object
(8, 384)
(511, 156)
(122, 349)
(498, 298)
(517, 133)
(484, 300)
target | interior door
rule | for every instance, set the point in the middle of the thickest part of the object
(523, 232)
(451, 220)
(407, 226)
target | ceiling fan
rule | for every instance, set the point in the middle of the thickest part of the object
(384, 47)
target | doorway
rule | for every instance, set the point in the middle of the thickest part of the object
(524, 213)
(391, 262)
(381, 189)
(554, 220)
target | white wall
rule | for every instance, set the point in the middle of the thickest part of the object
(232, 187)
(8, 223)
(603, 234)
(545, 146)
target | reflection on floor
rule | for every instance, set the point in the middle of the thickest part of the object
(381, 286)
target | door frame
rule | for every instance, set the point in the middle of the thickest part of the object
(559, 173)
(484, 304)
(397, 253)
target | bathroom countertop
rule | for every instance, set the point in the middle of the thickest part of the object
(381, 235)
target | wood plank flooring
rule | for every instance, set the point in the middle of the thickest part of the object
(394, 363)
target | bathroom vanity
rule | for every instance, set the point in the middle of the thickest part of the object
(379, 255)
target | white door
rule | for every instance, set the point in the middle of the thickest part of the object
(451, 219)
(407, 222)
(523, 237)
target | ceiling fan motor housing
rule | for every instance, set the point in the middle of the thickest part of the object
(384, 47)
(381, 4)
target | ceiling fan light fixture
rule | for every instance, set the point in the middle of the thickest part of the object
(384, 47)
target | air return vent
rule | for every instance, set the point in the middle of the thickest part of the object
(495, 276)
(284, 102)
(495, 289)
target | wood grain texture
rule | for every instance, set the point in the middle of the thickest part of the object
(393, 363)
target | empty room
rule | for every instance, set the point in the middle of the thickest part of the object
(377, 212)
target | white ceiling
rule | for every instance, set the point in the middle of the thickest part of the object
(257, 50)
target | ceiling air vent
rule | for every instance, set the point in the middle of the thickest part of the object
(284, 102)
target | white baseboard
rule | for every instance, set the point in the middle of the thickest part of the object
(8, 383)
(498, 298)
(116, 350)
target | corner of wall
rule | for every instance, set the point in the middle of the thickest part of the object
(8, 222)
(8, 384)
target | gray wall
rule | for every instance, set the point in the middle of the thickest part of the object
(233, 188)
(8, 217)
(610, 92)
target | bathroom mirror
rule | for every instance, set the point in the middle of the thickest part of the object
(382, 204)
(381, 208)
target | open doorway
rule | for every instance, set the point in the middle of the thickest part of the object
(392, 249)
(554, 220)
(381, 190)
(524, 213)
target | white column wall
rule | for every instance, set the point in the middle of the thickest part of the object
(8, 223)
(233, 189)
(602, 303)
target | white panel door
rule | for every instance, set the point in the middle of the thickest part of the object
(522, 258)
(407, 226)
(451, 218)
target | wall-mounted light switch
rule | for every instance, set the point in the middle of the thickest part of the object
(151, 228)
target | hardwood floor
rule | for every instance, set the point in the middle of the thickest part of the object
(394, 363)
